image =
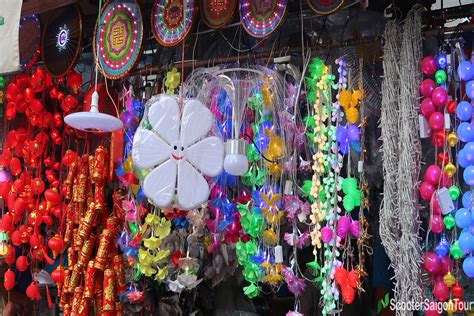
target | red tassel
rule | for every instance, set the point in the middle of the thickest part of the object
(48, 297)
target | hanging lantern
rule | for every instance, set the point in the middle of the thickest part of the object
(9, 280)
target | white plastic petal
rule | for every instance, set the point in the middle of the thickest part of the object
(164, 116)
(148, 149)
(196, 122)
(193, 189)
(207, 155)
(159, 186)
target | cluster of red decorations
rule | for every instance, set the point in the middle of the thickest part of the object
(348, 282)
(30, 167)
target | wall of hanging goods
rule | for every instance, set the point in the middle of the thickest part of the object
(221, 157)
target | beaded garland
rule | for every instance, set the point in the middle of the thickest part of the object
(119, 37)
(172, 20)
(261, 18)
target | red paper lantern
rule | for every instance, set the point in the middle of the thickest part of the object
(36, 106)
(15, 166)
(29, 94)
(74, 81)
(6, 223)
(33, 291)
(19, 185)
(56, 244)
(11, 111)
(52, 197)
(11, 255)
(20, 103)
(58, 276)
(15, 238)
(22, 263)
(12, 91)
(37, 240)
(69, 158)
(9, 280)
(69, 103)
(37, 186)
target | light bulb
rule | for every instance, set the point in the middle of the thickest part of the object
(236, 162)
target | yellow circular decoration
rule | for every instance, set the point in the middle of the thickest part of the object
(449, 279)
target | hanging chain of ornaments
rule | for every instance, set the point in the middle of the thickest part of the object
(333, 140)
(448, 124)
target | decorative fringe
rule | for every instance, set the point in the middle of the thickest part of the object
(399, 218)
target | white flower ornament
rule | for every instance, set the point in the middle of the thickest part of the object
(179, 152)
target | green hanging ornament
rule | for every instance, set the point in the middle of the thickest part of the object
(455, 251)
(449, 221)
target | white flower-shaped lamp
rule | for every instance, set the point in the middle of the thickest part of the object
(179, 152)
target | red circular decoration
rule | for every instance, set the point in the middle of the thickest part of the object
(217, 13)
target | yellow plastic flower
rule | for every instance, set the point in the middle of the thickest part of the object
(152, 219)
(144, 257)
(147, 270)
(270, 237)
(352, 115)
(172, 81)
(272, 278)
(266, 265)
(152, 243)
(162, 274)
(161, 255)
(345, 98)
(163, 228)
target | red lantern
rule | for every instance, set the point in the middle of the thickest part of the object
(37, 240)
(15, 238)
(47, 120)
(11, 255)
(74, 81)
(12, 92)
(69, 103)
(21, 103)
(9, 280)
(11, 111)
(22, 263)
(443, 158)
(19, 206)
(58, 276)
(69, 158)
(56, 211)
(15, 166)
(56, 244)
(19, 185)
(58, 119)
(52, 197)
(33, 291)
(29, 94)
(36, 106)
(34, 219)
(6, 223)
(37, 186)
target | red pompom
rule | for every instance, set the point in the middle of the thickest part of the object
(22, 263)
(33, 291)
(341, 275)
(353, 279)
(348, 294)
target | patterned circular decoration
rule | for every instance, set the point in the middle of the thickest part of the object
(61, 40)
(172, 20)
(325, 6)
(30, 38)
(118, 38)
(217, 13)
(261, 17)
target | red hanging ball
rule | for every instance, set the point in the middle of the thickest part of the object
(457, 290)
(5, 189)
(33, 291)
(23, 81)
(74, 81)
(10, 111)
(9, 280)
(52, 197)
(22, 263)
(6, 223)
(340, 276)
(37, 240)
(56, 244)
(452, 107)
(36, 106)
(29, 94)
(37, 186)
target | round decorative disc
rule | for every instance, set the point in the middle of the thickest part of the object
(172, 20)
(261, 17)
(217, 13)
(61, 42)
(325, 6)
(30, 38)
(118, 38)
